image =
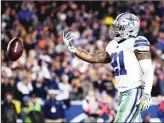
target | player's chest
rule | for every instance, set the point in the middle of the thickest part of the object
(117, 48)
(119, 54)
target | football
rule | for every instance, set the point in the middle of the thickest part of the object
(15, 49)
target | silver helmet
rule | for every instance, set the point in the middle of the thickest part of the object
(125, 25)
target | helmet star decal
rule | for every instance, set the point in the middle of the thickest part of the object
(126, 25)
(131, 19)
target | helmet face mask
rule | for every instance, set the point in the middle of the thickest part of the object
(126, 25)
(116, 30)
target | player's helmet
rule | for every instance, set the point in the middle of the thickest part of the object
(125, 25)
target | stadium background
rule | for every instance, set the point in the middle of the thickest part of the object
(46, 65)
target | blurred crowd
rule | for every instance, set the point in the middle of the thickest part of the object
(47, 77)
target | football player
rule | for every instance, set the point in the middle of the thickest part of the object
(129, 55)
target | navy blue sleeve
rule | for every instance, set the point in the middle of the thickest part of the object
(141, 44)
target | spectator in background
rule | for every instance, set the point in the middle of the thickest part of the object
(107, 84)
(161, 107)
(86, 86)
(8, 111)
(77, 92)
(25, 86)
(25, 113)
(161, 76)
(9, 85)
(35, 110)
(155, 88)
(65, 89)
(13, 88)
(53, 82)
(90, 107)
(5, 87)
(25, 15)
(53, 109)
(146, 118)
(105, 106)
(40, 88)
(31, 111)
(17, 104)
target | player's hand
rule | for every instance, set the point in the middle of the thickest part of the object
(144, 102)
(67, 38)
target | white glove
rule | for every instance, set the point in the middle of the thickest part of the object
(67, 38)
(144, 102)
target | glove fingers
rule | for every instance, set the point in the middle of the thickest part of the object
(70, 38)
(140, 108)
(66, 36)
(63, 34)
(145, 102)
(144, 107)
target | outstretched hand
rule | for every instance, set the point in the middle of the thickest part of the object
(67, 38)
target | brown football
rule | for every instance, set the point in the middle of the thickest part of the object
(15, 49)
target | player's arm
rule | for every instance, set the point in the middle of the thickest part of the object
(98, 57)
(147, 69)
(142, 51)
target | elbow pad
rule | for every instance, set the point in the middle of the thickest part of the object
(148, 74)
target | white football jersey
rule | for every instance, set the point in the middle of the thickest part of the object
(127, 70)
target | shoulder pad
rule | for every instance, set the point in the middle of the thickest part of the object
(141, 44)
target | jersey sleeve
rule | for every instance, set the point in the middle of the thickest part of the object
(141, 44)
(107, 49)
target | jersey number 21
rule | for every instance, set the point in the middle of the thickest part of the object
(118, 70)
